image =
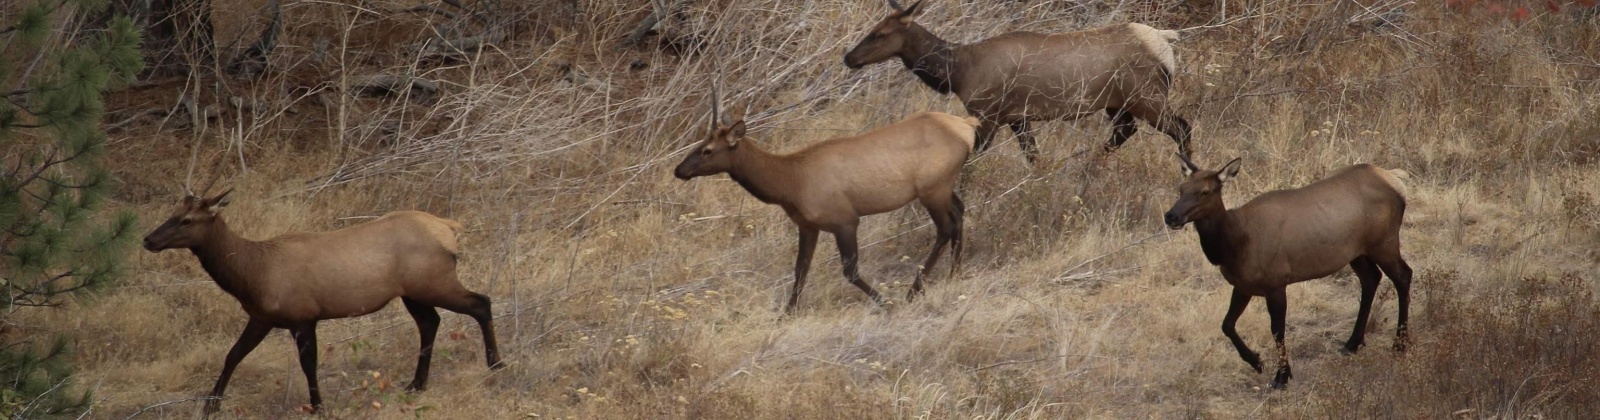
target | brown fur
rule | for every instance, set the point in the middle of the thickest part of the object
(1352, 217)
(831, 184)
(1124, 70)
(294, 280)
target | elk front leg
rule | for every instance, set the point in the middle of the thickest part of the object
(1236, 307)
(848, 253)
(802, 264)
(254, 331)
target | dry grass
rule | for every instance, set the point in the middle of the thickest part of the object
(624, 293)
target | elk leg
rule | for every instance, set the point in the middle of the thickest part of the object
(1236, 306)
(942, 226)
(958, 211)
(984, 135)
(305, 340)
(848, 256)
(1277, 305)
(1367, 271)
(477, 306)
(1123, 128)
(427, 327)
(1400, 273)
(1024, 135)
(252, 335)
(802, 264)
(1173, 126)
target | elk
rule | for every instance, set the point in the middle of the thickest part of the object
(1284, 237)
(830, 185)
(1016, 78)
(294, 280)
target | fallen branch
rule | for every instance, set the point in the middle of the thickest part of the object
(391, 85)
(252, 63)
(652, 22)
(135, 117)
(1068, 275)
(436, 49)
(167, 403)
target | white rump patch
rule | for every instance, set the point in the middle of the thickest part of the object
(1159, 43)
(1395, 178)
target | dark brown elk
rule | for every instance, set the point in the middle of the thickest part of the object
(1013, 79)
(294, 280)
(1288, 236)
(830, 185)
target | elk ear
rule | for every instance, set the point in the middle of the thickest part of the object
(735, 133)
(1230, 170)
(215, 204)
(1188, 167)
(908, 13)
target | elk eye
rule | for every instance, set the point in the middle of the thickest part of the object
(705, 151)
(184, 222)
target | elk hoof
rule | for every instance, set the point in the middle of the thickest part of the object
(1350, 348)
(212, 406)
(1400, 346)
(417, 386)
(1281, 380)
(1253, 358)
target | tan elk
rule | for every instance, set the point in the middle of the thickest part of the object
(830, 185)
(1013, 79)
(1288, 236)
(294, 280)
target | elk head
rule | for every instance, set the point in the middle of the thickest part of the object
(1200, 194)
(886, 38)
(714, 155)
(190, 223)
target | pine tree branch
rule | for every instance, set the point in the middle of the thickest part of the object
(25, 296)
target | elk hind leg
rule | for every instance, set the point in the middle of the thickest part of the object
(1024, 134)
(1123, 127)
(1277, 307)
(1400, 273)
(1368, 273)
(305, 341)
(940, 213)
(478, 307)
(427, 328)
(958, 211)
(1172, 125)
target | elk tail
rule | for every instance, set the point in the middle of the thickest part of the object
(447, 238)
(1396, 179)
(1158, 42)
(971, 136)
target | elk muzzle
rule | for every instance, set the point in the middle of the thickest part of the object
(685, 170)
(1174, 221)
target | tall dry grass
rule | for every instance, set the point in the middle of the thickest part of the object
(621, 292)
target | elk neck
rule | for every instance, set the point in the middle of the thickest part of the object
(930, 58)
(228, 258)
(1221, 237)
(766, 176)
